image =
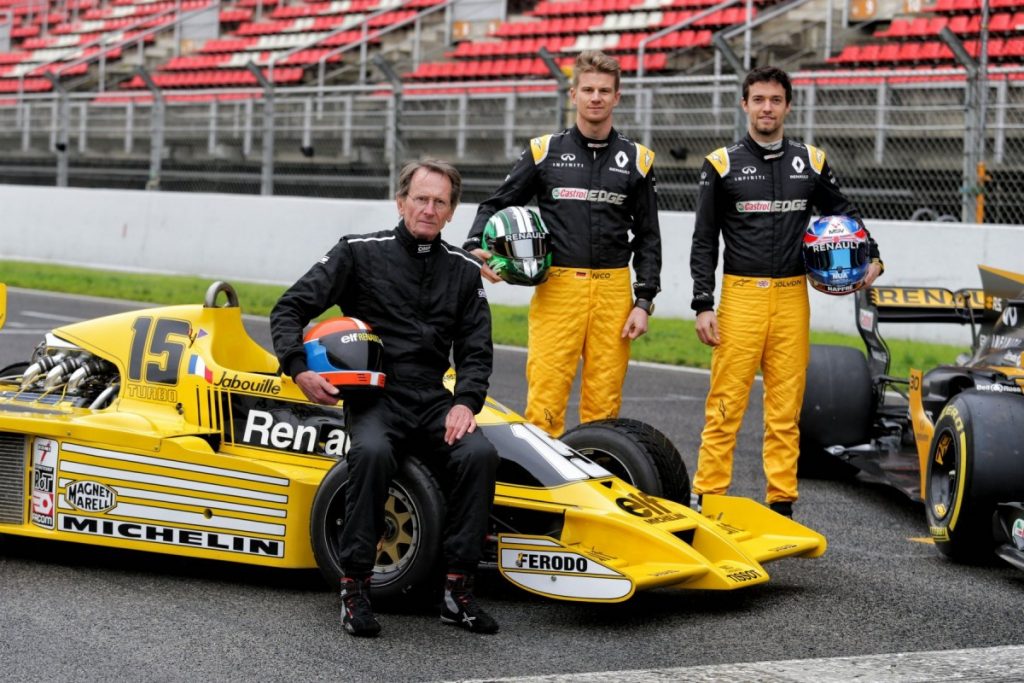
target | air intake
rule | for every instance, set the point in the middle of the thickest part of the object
(12, 478)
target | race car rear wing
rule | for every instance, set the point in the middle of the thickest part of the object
(918, 305)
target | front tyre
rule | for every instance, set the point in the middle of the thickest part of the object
(409, 553)
(975, 461)
(635, 452)
(836, 409)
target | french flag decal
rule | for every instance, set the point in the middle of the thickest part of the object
(196, 366)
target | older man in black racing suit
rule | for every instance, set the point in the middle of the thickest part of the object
(425, 300)
(759, 194)
(593, 187)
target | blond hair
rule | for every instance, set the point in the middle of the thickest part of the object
(595, 61)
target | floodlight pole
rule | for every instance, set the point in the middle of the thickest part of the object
(156, 128)
(722, 45)
(395, 149)
(563, 83)
(973, 132)
(61, 141)
(267, 169)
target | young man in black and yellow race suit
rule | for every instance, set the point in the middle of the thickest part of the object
(593, 187)
(759, 194)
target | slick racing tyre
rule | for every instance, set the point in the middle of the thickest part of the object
(836, 410)
(635, 452)
(410, 551)
(975, 461)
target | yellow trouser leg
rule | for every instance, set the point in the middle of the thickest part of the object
(558, 329)
(742, 324)
(605, 352)
(785, 369)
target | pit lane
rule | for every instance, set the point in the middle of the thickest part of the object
(69, 611)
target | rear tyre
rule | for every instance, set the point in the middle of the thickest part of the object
(836, 410)
(976, 460)
(635, 452)
(409, 555)
(14, 370)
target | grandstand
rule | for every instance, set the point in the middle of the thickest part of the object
(327, 98)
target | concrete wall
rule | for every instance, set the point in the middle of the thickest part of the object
(275, 239)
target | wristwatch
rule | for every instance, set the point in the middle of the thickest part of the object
(645, 305)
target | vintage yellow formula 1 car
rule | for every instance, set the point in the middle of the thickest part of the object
(170, 430)
(951, 437)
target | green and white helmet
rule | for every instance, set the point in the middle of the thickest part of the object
(519, 246)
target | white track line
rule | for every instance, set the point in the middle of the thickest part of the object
(988, 664)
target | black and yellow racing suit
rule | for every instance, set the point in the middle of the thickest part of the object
(597, 199)
(760, 200)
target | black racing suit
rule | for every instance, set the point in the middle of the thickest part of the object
(761, 213)
(425, 300)
(760, 201)
(598, 201)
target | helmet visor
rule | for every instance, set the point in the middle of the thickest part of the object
(837, 256)
(522, 246)
(350, 352)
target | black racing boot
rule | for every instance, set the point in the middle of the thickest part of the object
(356, 613)
(460, 607)
(782, 507)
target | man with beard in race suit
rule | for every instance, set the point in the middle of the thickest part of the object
(759, 194)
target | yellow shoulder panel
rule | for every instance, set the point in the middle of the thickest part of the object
(539, 147)
(644, 159)
(816, 156)
(720, 160)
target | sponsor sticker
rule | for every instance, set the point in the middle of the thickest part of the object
(90, 496)
(44, 465)
(652, 510)
(172, 535)
(1017, 534)
(771, 206)
(621, 159)
(585, 195)
(866, 320)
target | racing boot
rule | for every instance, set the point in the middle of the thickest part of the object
(782, 507)
(356, 613)
(460, 607)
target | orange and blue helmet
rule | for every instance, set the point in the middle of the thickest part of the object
(347, 353)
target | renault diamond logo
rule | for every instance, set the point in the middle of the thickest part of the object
(621, 159)
(798, 164)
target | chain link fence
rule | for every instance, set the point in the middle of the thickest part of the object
(901, 149)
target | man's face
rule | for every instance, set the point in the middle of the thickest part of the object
(595, 97)
(428, 205)
(766, 109)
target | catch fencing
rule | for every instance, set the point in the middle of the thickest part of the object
(905, 148)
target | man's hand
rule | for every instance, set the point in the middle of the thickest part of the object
(636, 324)
(316, 388)
(486, 271)
(460, 421)
(707, 328)
(874, 270)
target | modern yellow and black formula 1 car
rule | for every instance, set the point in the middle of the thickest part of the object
(170, 430)
(951, 437)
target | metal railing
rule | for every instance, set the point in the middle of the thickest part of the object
(898, 142)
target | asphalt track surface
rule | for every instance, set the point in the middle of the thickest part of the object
(881, 600)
